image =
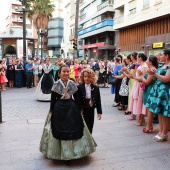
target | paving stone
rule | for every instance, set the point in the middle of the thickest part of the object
(121, 145)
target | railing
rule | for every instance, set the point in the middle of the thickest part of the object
(158, 1)
(119, 20)
(104, 23)
(105, 4)
(17, 19)
(82, 16)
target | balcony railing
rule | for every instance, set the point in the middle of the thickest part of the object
(82, 16)
(119, 20)
(108, 22)
(105, 4)
(17, 19)
(158, 2)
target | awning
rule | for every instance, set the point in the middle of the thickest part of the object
(94, 45)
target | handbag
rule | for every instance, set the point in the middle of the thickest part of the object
(143, 86)
(112, 80)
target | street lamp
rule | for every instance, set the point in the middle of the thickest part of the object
(24, 26)
(42, 34)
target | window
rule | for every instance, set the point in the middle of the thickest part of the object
(102, 39)
(93, 41)
(132, 6)
(146, 3)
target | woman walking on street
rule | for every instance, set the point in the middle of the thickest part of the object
(67, 137)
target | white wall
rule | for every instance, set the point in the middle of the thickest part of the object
(153, 11)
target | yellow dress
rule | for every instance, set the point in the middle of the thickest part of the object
(72, 74)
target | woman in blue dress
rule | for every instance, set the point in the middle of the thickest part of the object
(116, 87)
(148, 82)
(18, 74)
(159, 98)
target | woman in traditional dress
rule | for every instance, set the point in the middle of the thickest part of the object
(43, 91)
(65, 136)
(102, 76)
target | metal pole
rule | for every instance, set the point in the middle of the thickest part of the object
(0, 108)
(76, 28)
(41, 34)
(24, 30)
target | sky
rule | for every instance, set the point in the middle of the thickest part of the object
(4, 11)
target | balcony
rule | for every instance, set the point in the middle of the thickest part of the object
(17, 20)
(119, 4)
(108, 22)
(118, 20)
(82, 16)
(105, 4)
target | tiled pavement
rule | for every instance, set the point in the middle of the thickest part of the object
(121, 145)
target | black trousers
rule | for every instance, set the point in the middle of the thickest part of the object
(88, 114)
(29, 79)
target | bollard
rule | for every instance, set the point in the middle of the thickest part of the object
(0, 108)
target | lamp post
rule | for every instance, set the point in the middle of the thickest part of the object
(42, 34)
(24, 27)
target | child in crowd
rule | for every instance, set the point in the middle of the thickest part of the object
(3, 78)
(89, 96)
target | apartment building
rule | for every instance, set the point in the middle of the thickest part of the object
(142, 25)
(96, 34)
(55, 29)
(69, 29)
(15, 19)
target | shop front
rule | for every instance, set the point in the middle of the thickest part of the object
(99, 51)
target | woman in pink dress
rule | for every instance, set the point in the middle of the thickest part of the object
(136, 105)
(3, 78)
(76, 70)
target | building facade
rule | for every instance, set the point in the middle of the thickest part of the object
(69, 29)
(142, 25)
(15, 18)
(96, 34)
(55, 29)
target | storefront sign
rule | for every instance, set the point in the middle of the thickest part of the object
(158, 45)
(20, 49)
(94, 45)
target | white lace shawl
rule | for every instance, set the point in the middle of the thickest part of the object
(59, 87)
(47, 70)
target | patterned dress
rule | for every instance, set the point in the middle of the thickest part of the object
(159, 98)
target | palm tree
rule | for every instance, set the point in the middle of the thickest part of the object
(42, 12)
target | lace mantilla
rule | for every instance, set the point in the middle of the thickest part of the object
(66, 91)
(47, 69)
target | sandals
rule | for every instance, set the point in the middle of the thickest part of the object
(116, 104)
(121, 107)
(161, 139)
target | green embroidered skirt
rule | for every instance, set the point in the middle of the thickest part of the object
(66, 149)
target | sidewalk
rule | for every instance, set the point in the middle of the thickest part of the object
(121, 144)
